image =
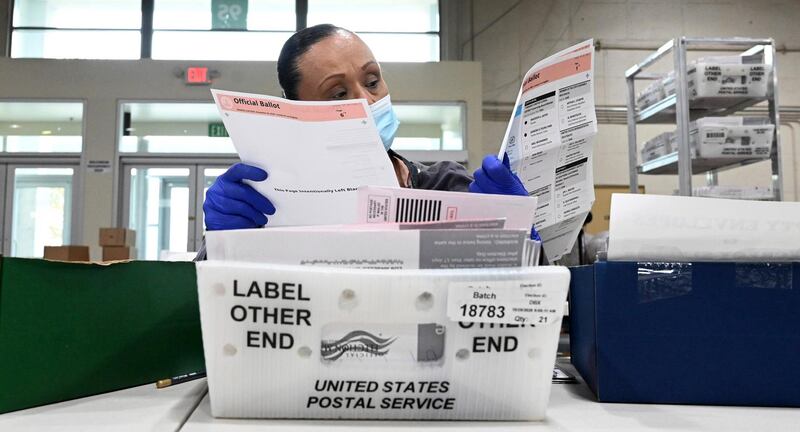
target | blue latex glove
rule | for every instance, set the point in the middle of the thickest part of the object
(232, 204)
(495, 177)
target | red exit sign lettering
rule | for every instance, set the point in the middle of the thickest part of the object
(197, 76)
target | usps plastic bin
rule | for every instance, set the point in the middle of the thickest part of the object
(324, 343)
(733, 137)
(728, 76)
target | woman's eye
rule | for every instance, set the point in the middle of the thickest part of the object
(372, 84)
(339, 94)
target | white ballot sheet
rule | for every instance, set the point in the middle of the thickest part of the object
(672, 228)
(316, 153)
(387, 205)
(549, 143)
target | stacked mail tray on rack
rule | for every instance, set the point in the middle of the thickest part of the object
(713, 77)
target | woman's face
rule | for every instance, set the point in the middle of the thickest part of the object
(341, 66)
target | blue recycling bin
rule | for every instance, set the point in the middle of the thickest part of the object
(688, 333)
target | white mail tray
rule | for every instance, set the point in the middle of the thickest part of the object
(322, 343)
(732, 137)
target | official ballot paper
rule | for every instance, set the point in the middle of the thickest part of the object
(549, 143)
(316, 153)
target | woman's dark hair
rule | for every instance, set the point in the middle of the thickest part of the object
(293, 48)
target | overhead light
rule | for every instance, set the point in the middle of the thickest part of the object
(47, 132)
(14, 126)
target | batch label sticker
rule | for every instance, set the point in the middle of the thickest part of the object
(503, 302)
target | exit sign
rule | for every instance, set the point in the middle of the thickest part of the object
(217, 130)
(197, 76)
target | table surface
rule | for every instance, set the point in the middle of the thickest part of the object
(572, 407)
(142, 408)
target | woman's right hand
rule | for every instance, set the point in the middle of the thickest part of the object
(232, 204)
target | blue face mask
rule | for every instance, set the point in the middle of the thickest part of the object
(385, 120)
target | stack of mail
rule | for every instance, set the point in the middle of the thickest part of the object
(428, 307)
(398, 229)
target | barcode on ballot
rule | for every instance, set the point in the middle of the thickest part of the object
(417, 210)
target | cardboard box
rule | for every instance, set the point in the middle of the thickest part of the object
(118, 253)
(601, 208)
(284, 341)
(720, 333)
(67, 253)
(70, 330)
(117, 237)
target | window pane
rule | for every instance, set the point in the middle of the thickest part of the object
(99, 14)
(197, 15)
(217, 45)
(76, 44)
(41, 127)
(429, 127)
(41, 210)
(173, 128)
(376, 15)
(159, 210)
(392, 47)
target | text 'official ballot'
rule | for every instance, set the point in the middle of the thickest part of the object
(316, 153)
(308, 342)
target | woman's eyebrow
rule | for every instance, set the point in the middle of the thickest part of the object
(327, 78)
(367, 64)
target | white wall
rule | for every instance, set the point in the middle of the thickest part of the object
(536, 28)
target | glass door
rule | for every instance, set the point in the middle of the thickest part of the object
(157, 205)
(38, 209)
(164, 205)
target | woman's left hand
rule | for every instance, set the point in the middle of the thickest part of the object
(495, 177)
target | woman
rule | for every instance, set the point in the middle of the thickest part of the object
(325, 62)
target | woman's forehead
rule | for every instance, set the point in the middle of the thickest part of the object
(336, 53)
